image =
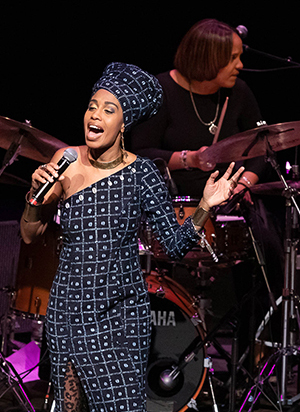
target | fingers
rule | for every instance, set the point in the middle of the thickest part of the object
(229, 171)
(45, 172)
(214, 175)
(237, 175)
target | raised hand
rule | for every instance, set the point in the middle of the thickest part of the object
(218, 191)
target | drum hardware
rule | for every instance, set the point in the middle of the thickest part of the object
(165, 172)
(170, 377)
(14, 383)
(210, 373)
(9, 377)
(175, 323)
(204, 244)
(288, 347)
(6, 322)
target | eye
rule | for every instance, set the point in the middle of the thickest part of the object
(109, 110)
(92, 106)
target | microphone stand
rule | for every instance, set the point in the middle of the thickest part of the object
(271, 56)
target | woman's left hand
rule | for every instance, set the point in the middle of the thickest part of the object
(217, 192)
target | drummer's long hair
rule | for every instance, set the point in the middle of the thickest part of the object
(204, 50)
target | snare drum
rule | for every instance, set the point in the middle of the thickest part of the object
(177, 326)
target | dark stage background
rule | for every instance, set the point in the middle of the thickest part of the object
(51, 56)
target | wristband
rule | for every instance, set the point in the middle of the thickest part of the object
(200, 217)
(31, 213)
(183, 159)
(246, 180)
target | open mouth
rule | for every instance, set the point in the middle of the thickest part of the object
(94, 131)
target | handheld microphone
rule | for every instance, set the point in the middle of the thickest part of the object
(242, 31)
(69, 156)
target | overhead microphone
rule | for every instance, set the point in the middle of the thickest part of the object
(69, 156)
(242, 31)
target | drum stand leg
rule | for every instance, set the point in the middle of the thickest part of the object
(210, 373)
(12, 381)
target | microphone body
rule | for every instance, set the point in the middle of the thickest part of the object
(69, 156)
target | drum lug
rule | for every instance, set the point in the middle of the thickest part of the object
(193, 405)
(195, 319)
(207, 363)
(181, 212)
(160, 292)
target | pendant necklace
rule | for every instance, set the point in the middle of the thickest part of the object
(212, 127)
(106, 165)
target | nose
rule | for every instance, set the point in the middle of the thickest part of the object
(239, 65)
(96, 114)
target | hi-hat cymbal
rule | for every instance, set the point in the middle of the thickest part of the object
(34, 144)
(252, 143)
(274, 188)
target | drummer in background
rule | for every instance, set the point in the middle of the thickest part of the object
(205, 76)
(207, 63)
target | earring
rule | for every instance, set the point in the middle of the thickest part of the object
(123, 146)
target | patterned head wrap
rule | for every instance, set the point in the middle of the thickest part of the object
(138, 92)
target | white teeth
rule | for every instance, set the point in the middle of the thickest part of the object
(95, 128)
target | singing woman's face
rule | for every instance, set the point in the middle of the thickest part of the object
(103, 121)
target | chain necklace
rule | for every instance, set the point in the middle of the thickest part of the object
(105, 165)
(212, 127)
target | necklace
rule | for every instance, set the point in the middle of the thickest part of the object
(211, 125)
(106, 165)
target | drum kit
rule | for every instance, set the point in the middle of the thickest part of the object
(178, 362)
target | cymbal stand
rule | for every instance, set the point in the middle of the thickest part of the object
(14, 382)
(9, 378)
(288, 347)
(11, 154)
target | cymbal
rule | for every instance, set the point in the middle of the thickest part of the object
(274, 188)
(252, 143)
(9, 179)
(34, 143)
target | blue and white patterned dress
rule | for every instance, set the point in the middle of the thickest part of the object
(98, 314)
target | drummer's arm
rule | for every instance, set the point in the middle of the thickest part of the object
(247, 180)
(187, 159)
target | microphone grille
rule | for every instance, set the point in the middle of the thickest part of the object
(242, 31)
(70, 154)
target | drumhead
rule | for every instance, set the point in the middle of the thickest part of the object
(175, 334)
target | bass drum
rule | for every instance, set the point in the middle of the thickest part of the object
(177, 327)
